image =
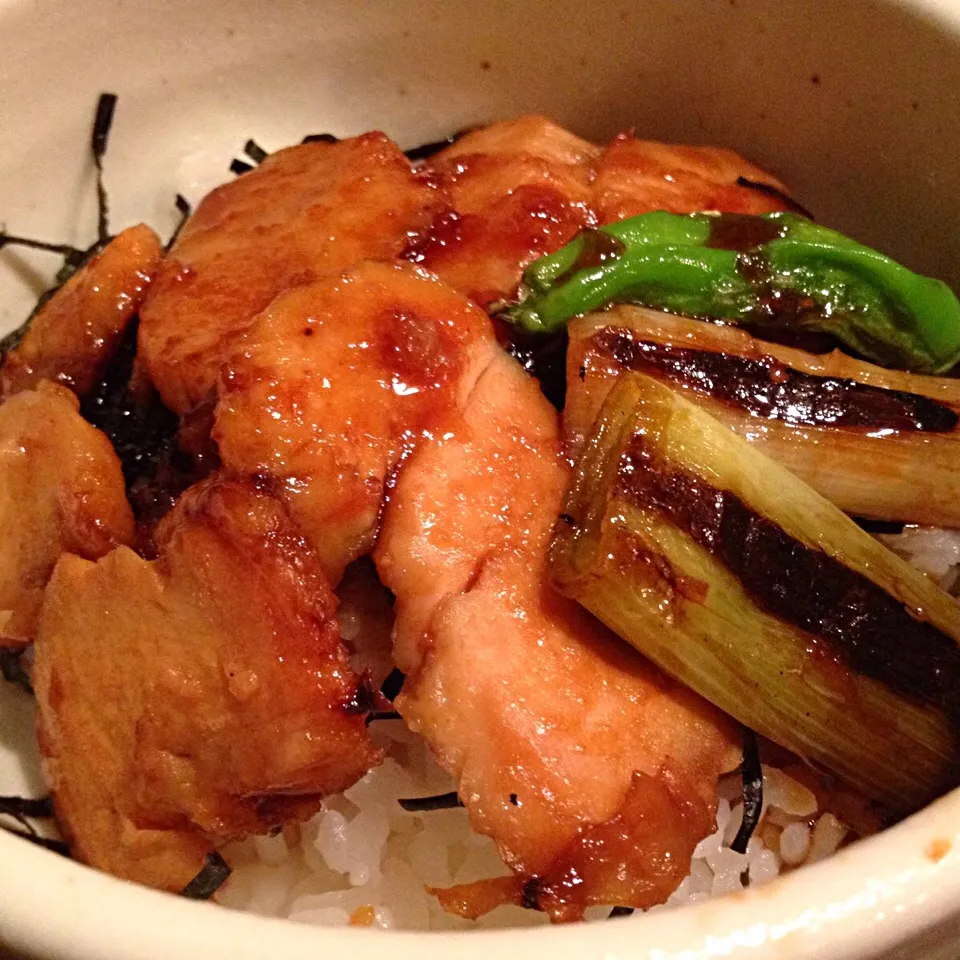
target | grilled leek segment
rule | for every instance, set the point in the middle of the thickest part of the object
(744, 583)
(877, 443)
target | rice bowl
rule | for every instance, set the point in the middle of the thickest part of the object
(911, 889)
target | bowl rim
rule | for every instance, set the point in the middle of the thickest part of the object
(874, 895)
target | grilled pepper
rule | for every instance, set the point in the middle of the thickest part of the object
(776, 270)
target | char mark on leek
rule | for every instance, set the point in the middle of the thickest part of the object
(209, 880)
(846, 614)
(776, 273)
(768, 389)
(746, 585)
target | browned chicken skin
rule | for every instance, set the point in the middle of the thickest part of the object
(334, 381)
(306, 211)
(61, 488)
(542, 714)
(196, 698)
(77, 330)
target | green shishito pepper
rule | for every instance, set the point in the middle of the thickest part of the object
(775, 271)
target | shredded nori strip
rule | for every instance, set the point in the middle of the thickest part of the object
(102, 123)
(361, 700)
(142, 433)
(57, 846)
(546, 359)
(239, 166)
(441, 801)
(382, 715)
(530, 895)
(879, 526)
(22, 808)
(426, 150)
(620, 912)
(393, 684)
(40, 808)
(752, 773)
(185, 209)
(209, 880)
(320, 138)
(13, 671)
(772, 191)
(255, 152)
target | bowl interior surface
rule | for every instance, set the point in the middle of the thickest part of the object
(853, 103)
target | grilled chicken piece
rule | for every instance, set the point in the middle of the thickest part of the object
(77, 330)
(639, 176)
(305, 211)
(334, 381)
(61, 488)
(595, 773)
(199, 697)
(512, 192)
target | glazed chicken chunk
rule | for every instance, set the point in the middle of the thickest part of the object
(77, 330)
(568, 746)
(306, 211)
(197, 698)
(61, 489)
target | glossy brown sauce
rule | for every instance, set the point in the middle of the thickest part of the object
(764, 387)
(851, 617)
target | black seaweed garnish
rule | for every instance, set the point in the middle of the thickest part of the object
(545, 358)
(102, 122)
(752, 773)
(772, 191)
(240, 166)
(13, 671)
(426, 150)
(361, 700)
(382, 715)
(320, 138)
(530, 895)
(57, 846)
(441, 801)
(393, 684)
(879, 526)
(620, 912)
(185, 209)
(21, 807)
(142, 431)
(209, 880)
(255, 152)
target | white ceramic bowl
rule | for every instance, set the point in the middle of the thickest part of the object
(854, 103)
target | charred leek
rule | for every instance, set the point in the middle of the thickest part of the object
(769, 271)
(877, 443)
(742, 582)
